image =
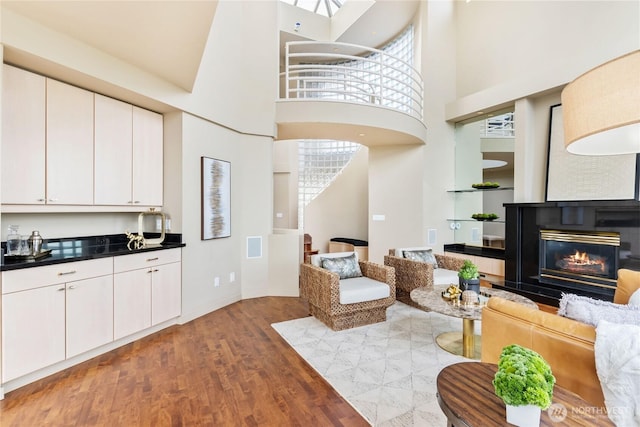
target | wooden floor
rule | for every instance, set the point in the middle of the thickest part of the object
(228, 368)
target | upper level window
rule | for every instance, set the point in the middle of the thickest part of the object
(321, 7)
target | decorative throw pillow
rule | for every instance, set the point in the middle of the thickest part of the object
(422, 256)
(592, 311)
(617, 356)
(634, 300)
(346, 267)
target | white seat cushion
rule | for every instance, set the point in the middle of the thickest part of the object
(443, 276)
(361, 289)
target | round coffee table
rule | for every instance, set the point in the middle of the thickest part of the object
(468, 399)
(464, 343)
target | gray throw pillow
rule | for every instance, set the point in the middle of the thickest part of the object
(422, 256)
(346, 267)
(591, 311)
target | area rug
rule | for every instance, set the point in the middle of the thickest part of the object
(386, 371)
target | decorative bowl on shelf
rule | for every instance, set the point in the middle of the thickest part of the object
(485, 185)
(484, 216)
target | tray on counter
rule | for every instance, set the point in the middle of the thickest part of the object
(42, 254)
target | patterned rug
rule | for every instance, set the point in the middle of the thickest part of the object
(386, 371)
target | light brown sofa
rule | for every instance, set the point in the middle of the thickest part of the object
(567, 345)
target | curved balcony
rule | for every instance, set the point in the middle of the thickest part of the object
(349, 92)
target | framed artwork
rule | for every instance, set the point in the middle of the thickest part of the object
(574, 177)
(216, 198)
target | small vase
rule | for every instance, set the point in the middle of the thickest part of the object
(469, 285)
(524, 415)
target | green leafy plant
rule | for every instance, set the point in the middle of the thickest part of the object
(523, 378)
(468, 271)
(487, 184)
(484, 216)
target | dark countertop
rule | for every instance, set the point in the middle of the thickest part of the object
(85, 248)
(483, 251)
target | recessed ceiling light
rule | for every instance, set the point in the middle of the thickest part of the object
(361, 134)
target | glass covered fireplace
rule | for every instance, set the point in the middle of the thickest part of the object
(579, 260)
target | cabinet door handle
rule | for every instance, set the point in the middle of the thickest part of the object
(149, 271)
(60, 289)
(64, 273)
(72, 286)
(152, 259)
(41, 200)
(155, 269)
(136, 201)
(53, 200)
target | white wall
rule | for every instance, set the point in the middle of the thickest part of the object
(395, 191)
(341, 209)
(508, 50)
(525, 40)
(438, 65)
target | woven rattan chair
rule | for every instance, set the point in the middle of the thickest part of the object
(414, 274)
(321, 288)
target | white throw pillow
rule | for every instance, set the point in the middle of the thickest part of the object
(592, 311)
(617, 354)
(634, 300)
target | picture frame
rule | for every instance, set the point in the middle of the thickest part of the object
(215, 198)
(572, 177)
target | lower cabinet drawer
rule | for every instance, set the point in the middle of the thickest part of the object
(30, 278)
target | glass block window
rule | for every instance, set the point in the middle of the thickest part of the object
(319, 162)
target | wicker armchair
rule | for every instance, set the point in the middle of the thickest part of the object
(321, 288)
(414, 274)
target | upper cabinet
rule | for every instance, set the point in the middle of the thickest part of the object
(69, 145)
(66, 148)
(113, 152)
(23, 137)
(128, 154)
(147, 157)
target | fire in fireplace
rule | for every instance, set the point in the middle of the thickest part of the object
(579, 259)
(583, 263)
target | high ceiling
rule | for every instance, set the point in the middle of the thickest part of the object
(150, 35)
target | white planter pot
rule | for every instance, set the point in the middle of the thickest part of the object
(524, 416)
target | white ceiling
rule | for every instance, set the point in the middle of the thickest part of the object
(164, 38)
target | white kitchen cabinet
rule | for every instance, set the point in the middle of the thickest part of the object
(89, 314)
(147, 167)
(131, 302)
(69, 145)
(166, 292)
(128, 144)
(54, 312)
(33, 330)
(73, 150)
(113, 151)
(154, 280)
(22, 173)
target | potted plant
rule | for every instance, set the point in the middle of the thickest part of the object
(469, 277)
(525, 383)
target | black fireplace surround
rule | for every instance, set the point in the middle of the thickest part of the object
(569, 247)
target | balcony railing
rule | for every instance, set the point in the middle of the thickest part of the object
(351, 73)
